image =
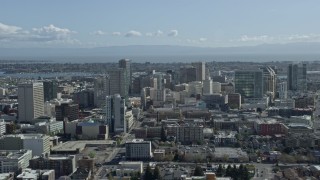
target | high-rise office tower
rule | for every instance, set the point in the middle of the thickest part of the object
(187, 74)
(249, 83)
(126, 65)
(201, 70)
(207, 86)
(30, 99)
(67, 110)
(283, 90)
(49, 90)
(100, 90)
(117, 82)
(115, 113)
(269, 80)
(297, 77)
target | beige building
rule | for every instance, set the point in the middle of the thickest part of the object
(31, 102)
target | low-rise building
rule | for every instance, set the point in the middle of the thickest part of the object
(38, 143)
(126, 168)
(14, 161)
(36, 174)
(269, 126)
(225, 138)
(138, 149)
(7, 176)
(62, 165)
(159, 154)
(87, 130)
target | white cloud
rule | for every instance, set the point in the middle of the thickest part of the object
(116, 33)
(45, 34)
(158, 33)
(279, 39)
(99, 33)
(263, 38)
(304, 37)
(203, 39)
(154, 34)
(149, 34)
(7, 29)
(173, 33)
(133, 33)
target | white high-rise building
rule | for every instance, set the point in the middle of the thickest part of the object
(30, 99)
(115, 113)
(207, 86)
(283, 93)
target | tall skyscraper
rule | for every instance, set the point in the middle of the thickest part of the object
(207, 86)
(115, 113)
(187, 74)
(67, 110)
(101, 90)
(283, 90)
(30, 99)
(297, 77)
(201, 70)
(117, 82)
(269, 80)
(126, 65)
(49, 90)
(249, 83)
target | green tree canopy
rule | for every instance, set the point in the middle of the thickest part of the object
(198, 171)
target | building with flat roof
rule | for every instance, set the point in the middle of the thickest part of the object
(297, 77)
(31, 103)
(75, 147)
(249, 83)
(38, 143)
(14, 161)
(138, 149)
(36, 174)
(62, 165)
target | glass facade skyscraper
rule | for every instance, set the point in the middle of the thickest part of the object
(249, 83)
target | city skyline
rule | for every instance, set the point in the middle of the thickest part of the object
(120, 23)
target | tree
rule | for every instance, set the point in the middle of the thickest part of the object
(110, 176)
(245, 174)
(148, 174)
(156, 173)
(163, 134)
(220, 171)
(92, 154)
(135, 176)
(228, 171)
(240, 171)
(198, 171)
(234, 172)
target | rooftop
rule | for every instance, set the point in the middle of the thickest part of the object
(75, 145)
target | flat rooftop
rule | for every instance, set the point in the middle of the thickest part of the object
(80, 145)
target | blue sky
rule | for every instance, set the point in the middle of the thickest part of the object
(205, 23)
